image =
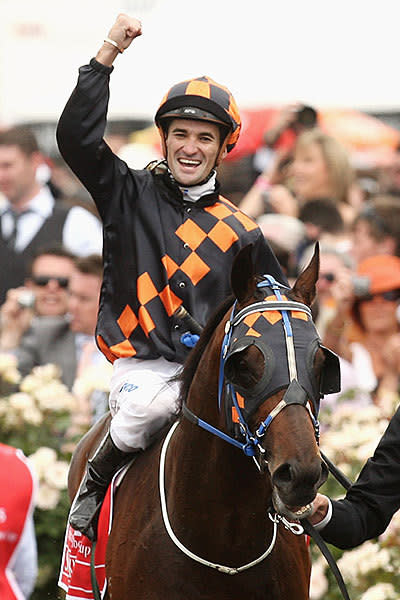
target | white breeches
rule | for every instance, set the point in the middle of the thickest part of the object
(142, 399)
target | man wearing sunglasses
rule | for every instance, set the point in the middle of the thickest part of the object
(44, 295)
(60, 338)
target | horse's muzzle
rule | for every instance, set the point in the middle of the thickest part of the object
(295, 487)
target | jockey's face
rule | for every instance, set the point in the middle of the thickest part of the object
(192, 149)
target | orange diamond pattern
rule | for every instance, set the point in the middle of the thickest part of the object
(170, 301)
(145, 320)
(191, 234)
(124, 349)
(223, 236)
(146, 290)
(251, 319)
(127, 321)
(247, 223)
(169, 265)
(194, 268)
(220, 211)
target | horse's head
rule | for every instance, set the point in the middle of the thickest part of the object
(276, 371)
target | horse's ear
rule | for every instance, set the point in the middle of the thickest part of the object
(242, 275)
(304, 288)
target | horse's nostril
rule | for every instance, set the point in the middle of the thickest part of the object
(282, 475)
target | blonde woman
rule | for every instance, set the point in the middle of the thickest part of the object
(320, 169)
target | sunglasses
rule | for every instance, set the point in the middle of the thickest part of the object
(43, 280)
(390, 296)
(327, 276)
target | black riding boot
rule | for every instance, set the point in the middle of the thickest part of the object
(99, 472)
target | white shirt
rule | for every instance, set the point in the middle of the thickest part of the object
(82, 232)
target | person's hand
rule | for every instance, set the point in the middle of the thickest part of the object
(15, 319)
(342, 289)
(391, 354)
(125, 30)
(282, 201)
(283, 120)
(120, 37)
(288, 116)
(319, 509)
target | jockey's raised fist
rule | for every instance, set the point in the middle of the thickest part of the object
(125, 30)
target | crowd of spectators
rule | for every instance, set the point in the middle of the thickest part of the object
(312, 190)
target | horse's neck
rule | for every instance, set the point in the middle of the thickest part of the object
(210, 472)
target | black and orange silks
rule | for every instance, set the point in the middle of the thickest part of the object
(159, 251)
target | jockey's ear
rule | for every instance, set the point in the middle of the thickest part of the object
(304, 288)
(243, 281)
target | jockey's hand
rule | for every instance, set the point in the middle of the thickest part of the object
(320, 508)
(123, 32)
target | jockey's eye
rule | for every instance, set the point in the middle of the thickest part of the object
(245, 368)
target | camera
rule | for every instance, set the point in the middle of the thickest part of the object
(26, 299)
(361, 286)
(306, 116)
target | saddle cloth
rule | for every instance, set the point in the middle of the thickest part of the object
(75, 574)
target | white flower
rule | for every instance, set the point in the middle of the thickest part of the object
(39, 377)
(392, 532)
(42, 459)
(7, 360)
(380, 591)
(53, 396)
(360, 561)
(28, 384)
(21, 401)
(47, 372)
(47, 497)
(56, 475)
(33, 416)
(319, 581)
(93, 378)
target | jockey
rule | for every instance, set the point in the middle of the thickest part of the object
(18, 553)
(169, 241)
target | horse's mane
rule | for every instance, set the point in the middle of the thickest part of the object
(189, 368)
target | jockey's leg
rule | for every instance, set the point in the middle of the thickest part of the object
(142, 400)
(99, 472)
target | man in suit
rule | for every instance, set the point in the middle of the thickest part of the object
(372, 500)
(62, 341)
(30, 216)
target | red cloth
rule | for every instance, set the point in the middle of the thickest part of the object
(16, 485)
(75, 576)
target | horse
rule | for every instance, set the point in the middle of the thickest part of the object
(213, 509)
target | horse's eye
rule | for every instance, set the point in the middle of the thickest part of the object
(244, 368)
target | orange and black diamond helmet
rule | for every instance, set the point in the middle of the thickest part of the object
(201, 99)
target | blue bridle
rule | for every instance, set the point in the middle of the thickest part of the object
(295, 393)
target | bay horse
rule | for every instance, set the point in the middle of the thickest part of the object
(212, 510)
